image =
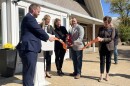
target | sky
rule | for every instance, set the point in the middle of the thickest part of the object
(106, 9)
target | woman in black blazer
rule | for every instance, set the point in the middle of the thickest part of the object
(106, 46)
(61, 33)
(47, 54)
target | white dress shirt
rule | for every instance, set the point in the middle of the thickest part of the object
(45, 28)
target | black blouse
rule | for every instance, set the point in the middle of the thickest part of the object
(60, 33)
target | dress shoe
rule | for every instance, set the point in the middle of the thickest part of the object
(100, 79)
(59, 73)
(107, 77)
(48, 76)
(116, 63)
(62, 72)
(77, 76)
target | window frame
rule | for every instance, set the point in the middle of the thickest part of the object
(18, 23)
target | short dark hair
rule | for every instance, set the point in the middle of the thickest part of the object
(107, 18)
(33, 6)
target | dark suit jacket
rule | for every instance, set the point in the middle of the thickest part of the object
(108, 36)
(31, 35)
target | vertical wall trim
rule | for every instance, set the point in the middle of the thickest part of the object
(4, 21)
(94, 37)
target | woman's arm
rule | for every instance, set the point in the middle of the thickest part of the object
(110, 38)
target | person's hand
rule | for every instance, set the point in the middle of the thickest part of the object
(60, 40)
(100, 39)
(51, 39)
(71, 45)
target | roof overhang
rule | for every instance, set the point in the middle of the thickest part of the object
(69, 12)
(95, 7)
(87, 20)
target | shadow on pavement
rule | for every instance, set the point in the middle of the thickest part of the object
(125, 59)
(4, 81)
(90, 61)
(121, 75)
(90, 77)
(124, 53)
(54, 73)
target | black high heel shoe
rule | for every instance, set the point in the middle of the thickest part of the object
(59, 73)
(62, 72)
(48, 75)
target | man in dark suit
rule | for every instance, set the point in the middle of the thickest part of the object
(30, 43)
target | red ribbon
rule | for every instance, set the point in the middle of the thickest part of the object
(91, 42)
(63, 44)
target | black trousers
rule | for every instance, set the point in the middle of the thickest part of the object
(47, 58)
(59, 53)
(29, 60)
(105, 54)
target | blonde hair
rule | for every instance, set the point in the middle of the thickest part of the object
(70, 21)
(55, 21)
(43, 20)
(46, 17)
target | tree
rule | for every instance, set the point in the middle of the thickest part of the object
(124, 32)
(122, 7)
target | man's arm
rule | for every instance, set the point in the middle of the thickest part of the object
(37, 30)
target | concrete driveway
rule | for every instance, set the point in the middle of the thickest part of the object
(119, 74)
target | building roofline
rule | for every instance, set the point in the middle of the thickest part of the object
(95, 7)
(101, 7)
(59, 8)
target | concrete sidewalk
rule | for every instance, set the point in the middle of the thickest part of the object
(119, 74)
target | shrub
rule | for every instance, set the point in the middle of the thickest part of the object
(124, 32)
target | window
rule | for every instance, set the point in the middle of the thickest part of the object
(64, 22)
(21, 13)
